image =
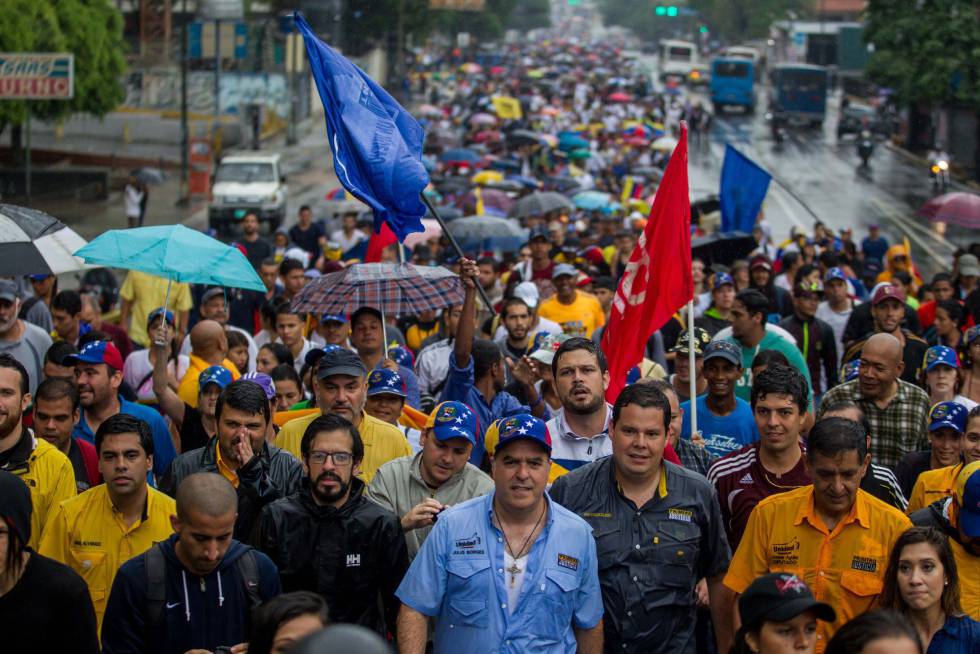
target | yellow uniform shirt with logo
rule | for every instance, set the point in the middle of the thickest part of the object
(50, 479)
(383, 442)
(580, 318)
(933, 485)
(844, 567)
(89, 536)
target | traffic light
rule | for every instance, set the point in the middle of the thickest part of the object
(671, 11)
(703, 29)
(665, 10)
(660, 11)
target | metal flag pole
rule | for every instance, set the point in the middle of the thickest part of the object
(459, 250)
(693, 374)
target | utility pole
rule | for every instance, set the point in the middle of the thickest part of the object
(400, 54)
(184, 129)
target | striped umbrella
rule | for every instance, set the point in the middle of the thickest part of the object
(34, 243)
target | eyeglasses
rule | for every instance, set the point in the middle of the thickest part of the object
(339, 458)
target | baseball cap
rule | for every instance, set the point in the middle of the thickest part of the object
(211, 293)
(807, 288)
(701, 340)
(851, 370)
(384, 381)
(539, 231)
(972, 334)
(523, 426)
(316, 353)
(760, 261)
(563, 269)
(968, 265)
(333, 317)
(951, 415)
(401, 356)
(160, 311)
(887, 292)
(545, 345)
(214, 375)
(720, 279)
(263, 380)
(8, 290)
(940, 355)
(835, 273)
(528, 292)
(311, 273)
(40, 277)
(97, 352)
(725, 350)
(453, 420)
(967, 494)
(365, 310)
(340, 362)
(779, 597)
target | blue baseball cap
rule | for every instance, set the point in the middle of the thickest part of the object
(333, 317)
(940, 355)
(214, 375)
(835, 273)
(40, 277)
(401, 356)
(156, 313)
(967, 494)
(948, 415)
(720, 279)
(725, 350)
(851, 370)
(453, 420)
(263, 380)
(384, 381)
(97, 352)
(315, 354)
(523, 426)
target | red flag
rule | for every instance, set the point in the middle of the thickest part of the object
(657, 281)
(378, 243)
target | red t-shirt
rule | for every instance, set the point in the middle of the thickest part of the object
(742, 482)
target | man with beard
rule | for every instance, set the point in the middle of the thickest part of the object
(330, 539)
(239, 452)
(418, 488)
(46, 471)
(888, 310)
(257, 248)
(367, 338)
(98, 375)
(516, 317)
(99, 530)
(55, 413)
(340, 387)
(22, 340)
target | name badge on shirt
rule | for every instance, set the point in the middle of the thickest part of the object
(567, 561)
(471, 545)
(864, 564)
(680, 514)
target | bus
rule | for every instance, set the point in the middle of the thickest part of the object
(798, 93)
(677, 58)
(732, 83)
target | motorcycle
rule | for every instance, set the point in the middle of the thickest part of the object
(778, 126)
(865, 146)
(939, 173)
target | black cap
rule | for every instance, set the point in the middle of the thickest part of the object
(778, 597)
(15, 505)
(342, 638)
(340, 362)
(539, 231)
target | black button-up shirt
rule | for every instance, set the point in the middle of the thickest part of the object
(651, 557)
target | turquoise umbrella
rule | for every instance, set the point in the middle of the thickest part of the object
(175, 253)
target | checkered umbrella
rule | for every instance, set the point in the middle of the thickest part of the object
(391, 288)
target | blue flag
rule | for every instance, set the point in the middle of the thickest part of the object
(743, 188)
(377, 145)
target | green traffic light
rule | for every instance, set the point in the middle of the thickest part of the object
(703, 29)
(671, 11)
(661, 11)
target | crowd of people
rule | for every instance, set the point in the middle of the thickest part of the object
(211, 470)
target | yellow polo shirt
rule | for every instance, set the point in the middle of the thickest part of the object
(189, 387)
(89, 536)
(223, 468)
(383, 442)
(844, 567)
(933, 485)
(148, 292)
(580, 318)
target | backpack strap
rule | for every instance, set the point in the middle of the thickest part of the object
(248, 570)
(156, 586)
(26, 306)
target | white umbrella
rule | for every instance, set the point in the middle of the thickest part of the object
(34, 243)
(664, 144)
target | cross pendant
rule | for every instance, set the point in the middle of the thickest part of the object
(514, 571)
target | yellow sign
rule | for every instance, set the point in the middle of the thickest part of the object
(507, 107)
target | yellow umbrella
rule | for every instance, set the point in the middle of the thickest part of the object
(487, 177)
(639, 205)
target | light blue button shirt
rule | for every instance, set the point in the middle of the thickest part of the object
(458, 577)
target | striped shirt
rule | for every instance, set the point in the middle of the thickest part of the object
(741, 482)
(570, 450)
(882, 483)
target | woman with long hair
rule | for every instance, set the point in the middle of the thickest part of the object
(970, 362)
(921, 583)
(779, 615)
(271, 356)
(285, 620)
(877, 632)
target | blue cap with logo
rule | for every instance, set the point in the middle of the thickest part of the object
(333, 317)
(835, 273)
(383, 381)
(967, 494)
(940, 355)
(401, 356)
(948, 415)
(316, 353)
(725, 350)
(719, 279)
(453, 420)
(156, 313)
(851, 370)
(264, 381)
(214, 375)
(523, 426)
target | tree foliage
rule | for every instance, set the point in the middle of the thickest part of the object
(926, 50)
(90, 29)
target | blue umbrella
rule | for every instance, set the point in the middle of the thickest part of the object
(459, 154)
(173, 252)
(592, 200)
(572, 143)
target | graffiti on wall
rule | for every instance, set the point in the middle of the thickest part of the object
(160, 89)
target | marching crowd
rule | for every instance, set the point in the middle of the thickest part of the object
(216, 471)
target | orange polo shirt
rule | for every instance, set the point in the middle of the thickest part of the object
(844, 567)
(933, 485)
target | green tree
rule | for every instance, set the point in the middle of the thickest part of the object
(530, 14)
(926, 50)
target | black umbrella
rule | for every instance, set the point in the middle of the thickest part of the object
(723, 248)
(452, 184)
(520, 137)
(538, 204)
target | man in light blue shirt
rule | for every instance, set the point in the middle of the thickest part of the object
(508, 572)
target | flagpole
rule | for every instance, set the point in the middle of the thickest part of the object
(693, 382)
(459, 250)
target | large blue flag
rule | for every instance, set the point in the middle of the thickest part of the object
(377, 145)
(743, 188)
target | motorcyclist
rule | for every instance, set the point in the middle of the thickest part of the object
(865, 146)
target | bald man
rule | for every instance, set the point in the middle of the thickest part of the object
(209, 347)
(195, 590)
(897, 410)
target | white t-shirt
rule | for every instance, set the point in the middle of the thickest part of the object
(137, 368)
(514, 589)
(837, 321)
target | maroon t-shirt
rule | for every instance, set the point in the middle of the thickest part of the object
(742, 482)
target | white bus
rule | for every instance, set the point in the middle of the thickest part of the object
(677, 58)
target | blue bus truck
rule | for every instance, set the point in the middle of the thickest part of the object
(732, 83)
(798, 93)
